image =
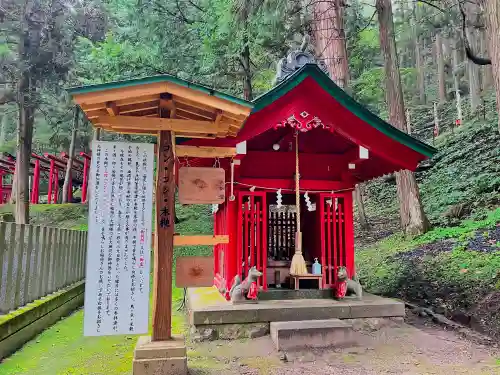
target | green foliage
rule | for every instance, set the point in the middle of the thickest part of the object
(452, 276)
(466, 170)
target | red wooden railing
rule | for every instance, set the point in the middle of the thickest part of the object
(337, 241)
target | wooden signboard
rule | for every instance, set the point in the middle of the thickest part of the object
(193, 272)
(201, 185)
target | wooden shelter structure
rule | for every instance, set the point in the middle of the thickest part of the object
(306, 117)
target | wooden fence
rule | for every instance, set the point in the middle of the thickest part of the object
(36, 261)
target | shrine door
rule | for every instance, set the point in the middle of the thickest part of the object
(336, 235)
(252, 234)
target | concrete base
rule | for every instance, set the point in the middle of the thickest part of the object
(311, 334)
(160, 357)
(216, 310)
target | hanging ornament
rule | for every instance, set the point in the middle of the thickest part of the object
(279, 198)
(231, 196)
(308, 201)
(329, 202)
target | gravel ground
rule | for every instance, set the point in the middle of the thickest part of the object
(396, 348)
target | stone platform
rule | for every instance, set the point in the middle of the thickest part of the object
(212, 317)
(311, 334)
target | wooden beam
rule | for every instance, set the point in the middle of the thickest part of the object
(208, 240)
(164, 239)
(128, 131)
(158, 88)
(274, 183)
(205, 151)
(112, 108)
(198, 136)
(119, 103)
(130, 108)
(208, 114)
(158, 124)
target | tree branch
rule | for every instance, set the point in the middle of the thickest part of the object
(468, 50)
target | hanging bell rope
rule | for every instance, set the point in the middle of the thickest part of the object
(298, 266)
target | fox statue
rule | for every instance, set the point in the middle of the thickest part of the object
(246, 289)
(346, 286)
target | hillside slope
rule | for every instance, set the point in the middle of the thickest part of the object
(455, 268)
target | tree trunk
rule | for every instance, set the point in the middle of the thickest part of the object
(420, 70)
(247, 75)
(440, 65)
(329, 38)
(473, 70)
(23, 156)
(413, 219)
(330, 42)
(456, 80)
(3, 130)
(13, 190)
(492, 16)
(358, 199)
(487, 74)
(96, 136)
(71, 155)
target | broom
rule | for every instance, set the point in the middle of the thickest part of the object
(298, 266)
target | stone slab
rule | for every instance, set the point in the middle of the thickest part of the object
(294, 310)
(147, 349)
(296, 335)
(160, 357)
(211, 332)
(165, 366)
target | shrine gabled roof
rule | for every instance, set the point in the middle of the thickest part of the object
(134, 106)
(314, 72)
(157, 79)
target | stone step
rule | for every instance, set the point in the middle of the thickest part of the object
(303, 334)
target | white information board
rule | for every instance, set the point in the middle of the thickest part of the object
(119, 239)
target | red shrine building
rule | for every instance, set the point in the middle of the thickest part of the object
(305, 123)
(340, 144)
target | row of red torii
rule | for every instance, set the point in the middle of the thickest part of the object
(51, 168)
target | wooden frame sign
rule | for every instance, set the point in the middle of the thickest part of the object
(194, 272)
(201, 185)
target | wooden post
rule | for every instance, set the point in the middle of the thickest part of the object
(164, 239)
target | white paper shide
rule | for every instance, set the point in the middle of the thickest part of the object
(119, 239)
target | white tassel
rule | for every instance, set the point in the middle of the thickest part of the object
(279, 198)
(308, 201)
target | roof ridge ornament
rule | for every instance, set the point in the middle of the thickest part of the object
(295, 60)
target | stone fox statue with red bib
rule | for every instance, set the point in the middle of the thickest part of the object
(246, 289)
(346, 286)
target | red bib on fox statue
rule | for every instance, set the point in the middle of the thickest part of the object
(340, 289)
(252, 292)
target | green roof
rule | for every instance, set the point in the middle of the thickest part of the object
(157, 79)
(313, 71)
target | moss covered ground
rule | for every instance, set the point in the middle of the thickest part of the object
(454, 268)
(63, 350)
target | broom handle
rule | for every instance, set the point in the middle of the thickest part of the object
(297, 188)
